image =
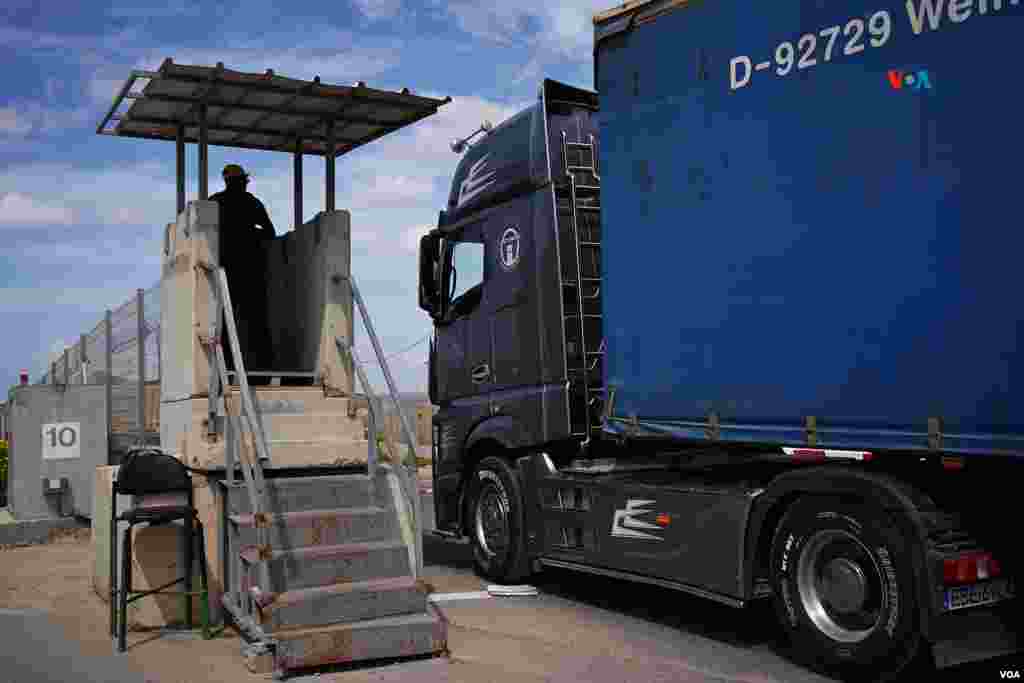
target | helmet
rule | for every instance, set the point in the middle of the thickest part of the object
(234, 171)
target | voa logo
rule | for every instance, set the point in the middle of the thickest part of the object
(1009, 674)
(910, 80)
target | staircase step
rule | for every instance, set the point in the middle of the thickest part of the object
(343, 602)
(293, 494)
(289, 400)
(312, 427)
(402, 636)
(326, 565)
(320, 527)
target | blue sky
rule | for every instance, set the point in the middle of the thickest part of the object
(81, 215)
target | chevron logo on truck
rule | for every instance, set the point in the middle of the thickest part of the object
(626, 525)
(476, 180)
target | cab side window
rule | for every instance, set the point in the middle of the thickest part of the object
(465, 277)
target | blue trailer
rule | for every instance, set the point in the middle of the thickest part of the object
(741, 323)
(834, 192)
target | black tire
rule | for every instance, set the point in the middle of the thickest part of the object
(845, 590)
(499, 545)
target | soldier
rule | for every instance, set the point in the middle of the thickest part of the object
(245, 230)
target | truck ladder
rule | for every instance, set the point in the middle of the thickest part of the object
(578, 199)
(252, 469)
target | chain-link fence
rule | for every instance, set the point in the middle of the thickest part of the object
(125, 355)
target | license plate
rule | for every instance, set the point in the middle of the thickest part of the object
(976, 594)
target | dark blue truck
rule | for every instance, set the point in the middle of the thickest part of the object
(743, 324)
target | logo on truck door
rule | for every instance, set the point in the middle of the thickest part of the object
(626, 525)
(508, 248)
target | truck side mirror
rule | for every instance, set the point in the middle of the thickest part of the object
(430, 257)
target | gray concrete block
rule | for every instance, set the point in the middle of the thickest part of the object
(402, 636)
(80, 450)
(345, 603)
(36, 531)
(327, 565)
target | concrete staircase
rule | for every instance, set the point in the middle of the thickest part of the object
(319, 569)
(342, 574)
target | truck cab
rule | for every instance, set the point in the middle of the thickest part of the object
(511, 278)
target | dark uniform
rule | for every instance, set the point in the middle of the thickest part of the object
(245, 232)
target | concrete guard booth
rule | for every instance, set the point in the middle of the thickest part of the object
(307, 409)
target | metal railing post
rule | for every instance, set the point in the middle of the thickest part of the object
(83, 359)
(330, 162)
(203, 159)
(140, 405)
(413, 485)
(108, 330)
(179, 149)
(297, 176)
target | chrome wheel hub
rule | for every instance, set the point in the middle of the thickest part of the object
(841, 586)
(491, 521)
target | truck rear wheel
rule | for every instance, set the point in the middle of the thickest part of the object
(844, 589)
(496, 522)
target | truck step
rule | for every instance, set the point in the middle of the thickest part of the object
(343, 602)
(319, 527)
(401, 636)
(327, 565)
(293, 494)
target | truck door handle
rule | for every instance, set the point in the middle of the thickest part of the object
(481, 373)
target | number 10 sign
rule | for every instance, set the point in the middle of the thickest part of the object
(60, 440)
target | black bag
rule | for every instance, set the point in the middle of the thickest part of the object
(150, 470)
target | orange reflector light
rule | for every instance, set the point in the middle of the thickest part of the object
(952, 463)
(663, 520)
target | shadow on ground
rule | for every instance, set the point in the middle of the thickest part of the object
(753, 627)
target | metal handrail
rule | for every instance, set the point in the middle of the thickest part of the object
(252, 471)
(409, 484)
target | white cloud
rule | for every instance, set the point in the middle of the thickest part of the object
(562, 30)
(11, 123)
(24, 117)
(174, 8)
(378, 9)
(20, 209)
(134, 195)
(383, 191)
(411, 237)
(46, 297)
(125, 253)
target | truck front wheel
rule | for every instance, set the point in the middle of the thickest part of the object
(844, 589)
(496, 521)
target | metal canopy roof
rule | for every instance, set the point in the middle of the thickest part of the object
(260, 111)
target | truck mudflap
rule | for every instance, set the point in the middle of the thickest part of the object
(979, 633)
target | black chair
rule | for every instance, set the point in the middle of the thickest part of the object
(162, 493)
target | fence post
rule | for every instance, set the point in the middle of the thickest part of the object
(109, 334)
(140, 407)
(83, 358)
(159, 360)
